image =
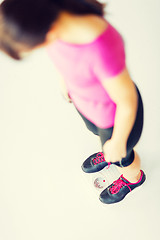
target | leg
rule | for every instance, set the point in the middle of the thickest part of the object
(132, 172)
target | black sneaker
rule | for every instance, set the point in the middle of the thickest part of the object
(95, 163)
(119, 189)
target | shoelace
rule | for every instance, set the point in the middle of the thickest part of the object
(100, 158)
(117, 185)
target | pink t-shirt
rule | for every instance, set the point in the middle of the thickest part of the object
(85, 66)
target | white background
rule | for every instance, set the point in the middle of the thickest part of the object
(44, 142)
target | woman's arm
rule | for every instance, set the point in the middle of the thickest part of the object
(122, 91)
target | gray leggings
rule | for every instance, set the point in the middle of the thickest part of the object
(106, 134)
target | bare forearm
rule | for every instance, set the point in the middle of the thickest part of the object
(124, 120)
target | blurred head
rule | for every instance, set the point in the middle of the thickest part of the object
(25, 24)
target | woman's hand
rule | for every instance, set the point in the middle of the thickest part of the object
(66, 95)
(64, 91)
(114, 150)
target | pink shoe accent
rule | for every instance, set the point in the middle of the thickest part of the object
(117, 185)
(109, 164)
(137, 181)
(100, 158)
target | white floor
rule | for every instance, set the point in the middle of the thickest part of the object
(44, 142)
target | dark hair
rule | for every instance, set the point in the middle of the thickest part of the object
(26, 22)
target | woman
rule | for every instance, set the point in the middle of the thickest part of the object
(89, 54)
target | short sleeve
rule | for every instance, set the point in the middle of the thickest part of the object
(109, 57)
